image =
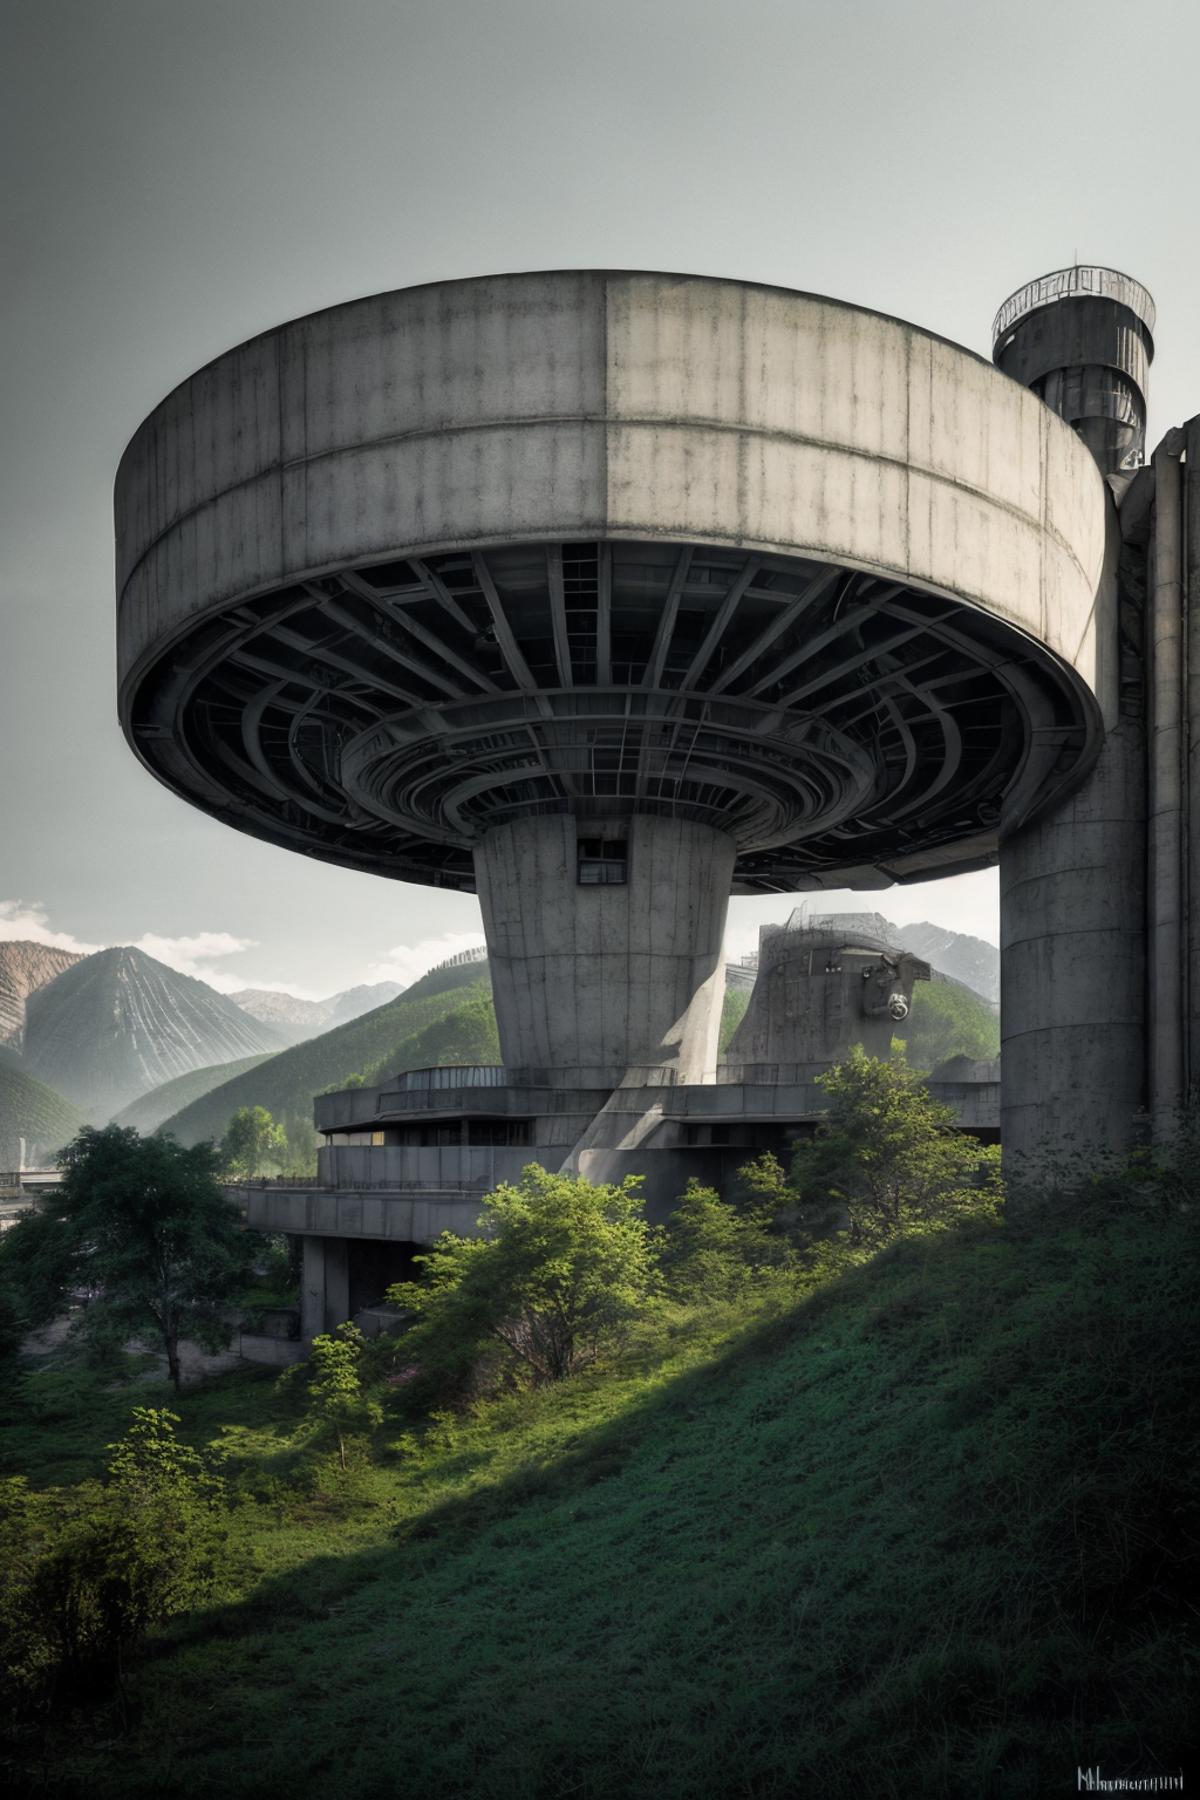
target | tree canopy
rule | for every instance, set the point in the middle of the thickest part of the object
(561, 1266)
(253, 1143)
(142, 1227)
(886, 1155)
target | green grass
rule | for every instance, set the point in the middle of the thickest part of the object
(920, 1534)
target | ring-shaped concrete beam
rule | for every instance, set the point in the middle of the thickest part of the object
(598, 407)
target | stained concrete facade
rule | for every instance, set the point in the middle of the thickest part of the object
(821, 992)
(614, 974)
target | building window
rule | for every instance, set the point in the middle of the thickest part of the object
(603, 862)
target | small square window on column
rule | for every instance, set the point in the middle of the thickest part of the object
(602, 862)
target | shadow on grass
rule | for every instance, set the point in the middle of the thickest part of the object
(813, 1570)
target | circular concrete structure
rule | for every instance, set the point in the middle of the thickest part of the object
(606, 546)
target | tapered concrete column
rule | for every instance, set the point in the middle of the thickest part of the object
(324, 1286)
(607, 975)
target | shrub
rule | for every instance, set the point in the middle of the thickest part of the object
(561, 1269)
(886, 1154)
(714, 1251)
(338, 1401)
(89, 1571)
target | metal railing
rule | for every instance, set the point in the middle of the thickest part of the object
(1065, 284)
(465, 1075)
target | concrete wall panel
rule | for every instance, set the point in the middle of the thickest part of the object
(590, 403)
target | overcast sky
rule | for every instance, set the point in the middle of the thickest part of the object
(180, 174)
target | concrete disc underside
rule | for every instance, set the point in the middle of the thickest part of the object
(604, 544)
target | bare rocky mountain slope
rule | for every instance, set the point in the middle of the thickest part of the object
(297, 1020)
(120, 1023)
(970, 960)
(24, 968)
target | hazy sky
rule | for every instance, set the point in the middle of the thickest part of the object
(180, 174)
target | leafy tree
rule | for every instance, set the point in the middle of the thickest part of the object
(300, 1146)
(252, 1142)
(143, 1223)
(338, 1401)
(887, 1155)
(560, 1269)
(713, 1250)
(88, 1573)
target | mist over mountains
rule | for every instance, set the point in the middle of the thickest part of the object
(121, 1036)
(118, 1023)
(296, 1019)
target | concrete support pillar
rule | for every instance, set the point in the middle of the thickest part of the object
(324, 1286)
(1166, 852)
(1072, 962)
(607, 976)
(1190, 532)
(1073, 945)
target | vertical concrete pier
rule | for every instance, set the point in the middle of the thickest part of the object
(605, 939)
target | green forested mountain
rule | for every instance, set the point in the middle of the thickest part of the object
(454, 1026)
(446, 979)
(31, 1110)
(148, 1113)
(949, 1020)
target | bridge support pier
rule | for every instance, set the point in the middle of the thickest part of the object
(324, 1286)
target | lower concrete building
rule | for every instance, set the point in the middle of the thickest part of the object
(415, 1156)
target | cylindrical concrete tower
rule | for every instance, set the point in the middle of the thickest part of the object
(1073, 883)
(1081, 339)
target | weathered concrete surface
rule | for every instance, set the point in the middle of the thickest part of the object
(1191, 566)
(324, 1286)
(1166, 890)
(819, 993)
(1073, 949)
(536, 409)
(592, 403)
(617, 975)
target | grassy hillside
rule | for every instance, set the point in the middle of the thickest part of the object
(930, 1523)
(148, 1113)
(31, 1110)
(404, 1034)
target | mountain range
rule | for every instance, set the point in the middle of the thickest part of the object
(119, 1035)
(295, 1019)
(119, 1023)
(971, 960)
